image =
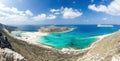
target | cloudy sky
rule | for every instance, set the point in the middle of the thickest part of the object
(21, 12)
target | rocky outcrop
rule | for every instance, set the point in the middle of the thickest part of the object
(4, 42)
(6, 51)
(116, 58)
(9, 55)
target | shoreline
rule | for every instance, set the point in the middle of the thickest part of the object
(26, 38)
(77, 51)
(99, 39)
(74, 51)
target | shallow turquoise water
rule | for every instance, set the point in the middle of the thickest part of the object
(17, 33)
(66, 41)
(81, 37)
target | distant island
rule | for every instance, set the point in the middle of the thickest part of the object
(50, 29)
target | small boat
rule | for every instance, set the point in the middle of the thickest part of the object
(104, 25)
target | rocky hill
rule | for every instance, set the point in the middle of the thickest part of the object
(10, 55)
(4, 42)
(6, 51)
(108, 49)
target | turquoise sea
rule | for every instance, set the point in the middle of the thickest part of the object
(81, 37)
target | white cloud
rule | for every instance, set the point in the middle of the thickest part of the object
(44, 17)
(12, 10)
(51, 17)
(105, 18)
(112, 9)
(40, 17)
(54, 10)
(100, 8)
(28, 12)
(67, 13)
(11, 15)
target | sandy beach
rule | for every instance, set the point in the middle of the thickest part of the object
(30, 38)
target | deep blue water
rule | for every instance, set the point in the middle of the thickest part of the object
(81, 37)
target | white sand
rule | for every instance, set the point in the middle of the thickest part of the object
(31, 38)
(102, 36)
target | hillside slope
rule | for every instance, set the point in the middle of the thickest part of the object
(6, 51)
(104, 50)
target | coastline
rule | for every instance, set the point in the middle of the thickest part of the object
(78, 51)
(99, 39)
(30, 37)
(37, 51)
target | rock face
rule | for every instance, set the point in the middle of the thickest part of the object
(9, 55)
(116, 58)
(6, 51)
(54, 29)
(4, 42)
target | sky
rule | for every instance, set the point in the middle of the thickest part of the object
(35, 12)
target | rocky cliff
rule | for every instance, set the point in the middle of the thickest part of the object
(7, 53)
(4, 42)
